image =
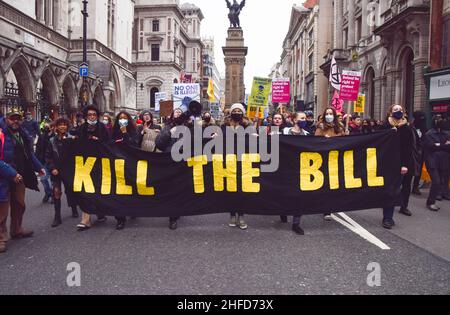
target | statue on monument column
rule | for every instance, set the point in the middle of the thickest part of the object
(235, 10)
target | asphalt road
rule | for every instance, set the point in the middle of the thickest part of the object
(205, 256)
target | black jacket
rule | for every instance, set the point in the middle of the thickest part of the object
(100, 132)
(41, 146)
(129, 139)
(437, 157)
(406, 145)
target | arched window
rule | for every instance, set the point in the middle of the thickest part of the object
(153, 91)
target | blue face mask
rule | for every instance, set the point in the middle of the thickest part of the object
(302, 124)
(397, 115)
(123, 122)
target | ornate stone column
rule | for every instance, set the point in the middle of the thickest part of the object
(235, 57)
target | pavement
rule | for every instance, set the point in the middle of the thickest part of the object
(206, 257)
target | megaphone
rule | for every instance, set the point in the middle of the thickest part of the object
(195, 109)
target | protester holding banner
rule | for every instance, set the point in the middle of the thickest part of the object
(107, 121)
(355, 125)
(54, 158)
(236, 121)
(148, 132)
(330, 127)
(300, 124)
(92, 130)
(310, 124)
(396, 120)
(277, 126)
(165, 141)
(124, 133)
(437, 160)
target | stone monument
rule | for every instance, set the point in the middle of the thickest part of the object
(235, 53)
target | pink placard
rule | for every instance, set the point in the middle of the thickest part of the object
(281, 91)
(350, 83)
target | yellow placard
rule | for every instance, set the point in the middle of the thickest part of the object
(260, 92)
(253, 110)
(360, 104)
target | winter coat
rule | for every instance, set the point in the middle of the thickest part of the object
(32, 164)
(437, 157)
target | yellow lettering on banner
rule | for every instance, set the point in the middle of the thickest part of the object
(310, 164)
(141, 180)
(82, 177)
(248, 173)
(220, 173)
(350, 180)
(197, 164)
(121, 186)
(372, 178)
(106, 177)
(333, 169)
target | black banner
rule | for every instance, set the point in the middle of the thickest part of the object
(315, 175)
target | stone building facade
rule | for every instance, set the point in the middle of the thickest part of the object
(305, 44)
(388, 42)
(167, 47)
(41, 49)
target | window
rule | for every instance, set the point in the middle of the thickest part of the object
(310, 92)
(311, 62)
(358, 29)
(311, 37)
(155, 26)
(155, 52)
(169, 24)
(135, 34)
(153, 91)
(345, 37)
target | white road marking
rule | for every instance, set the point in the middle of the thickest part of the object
(358, 229)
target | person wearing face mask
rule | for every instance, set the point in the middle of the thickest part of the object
(92, 130)
(437, 159)
(164, 142)
(330, 127)
(124, 133)
(41, 146)
(310, 123)
(300, 123)
(107, 121)
(396, 120)
(237, 120)
(419, 127)
(31, 126)
(148, 132)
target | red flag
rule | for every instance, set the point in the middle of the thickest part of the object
(337, 103)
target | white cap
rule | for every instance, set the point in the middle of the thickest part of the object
(238, 106)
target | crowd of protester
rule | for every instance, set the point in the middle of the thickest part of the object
(27, 148)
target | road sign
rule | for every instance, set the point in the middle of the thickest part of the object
(84, 70)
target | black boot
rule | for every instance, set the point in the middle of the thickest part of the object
(57, 221)
(297, 229)
(46, 197)
(74, 212)
(120, 223)
(284, 219)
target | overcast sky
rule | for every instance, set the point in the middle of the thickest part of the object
(265, 24)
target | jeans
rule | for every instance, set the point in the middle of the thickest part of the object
(388, 213)
(46, 183)
(439, 185)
